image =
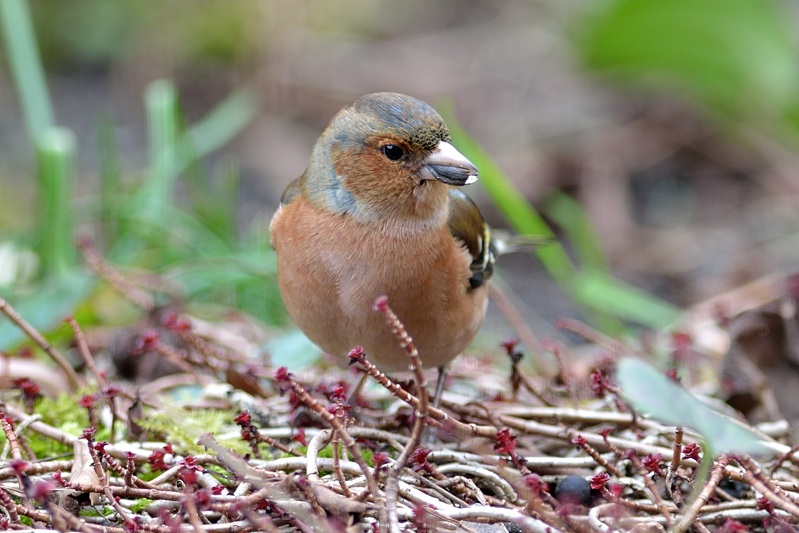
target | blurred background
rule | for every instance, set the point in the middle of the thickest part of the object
(658, 139)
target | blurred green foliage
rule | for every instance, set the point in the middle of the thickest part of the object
(736, 57)
(194, 34)
(184, 427)
(193, 242)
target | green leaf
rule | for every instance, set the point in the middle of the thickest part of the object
(601, 292)
(293, 350)
(47, 306)
(140, 505)
(175, 234)
(221, 124)
(96, 511)
(733, 54)
(653, 394)
(173, 151)
(572, 219)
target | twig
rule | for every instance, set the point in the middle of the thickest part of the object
(591, 334)
(112, 501)
(514, 318)
(700, 527)
(83, 349)
(787, 456)
(675, 456)
(11, 437)
(36, 469)
(499, 484)
(406, 343)
(190, 504)
(690, 514)
(342, 482)
(74, 523)
(96, 463)
(562, 433)
(209, 351)
(671, 488)
(37, 337)
(567, 379)
(349, 442)
(495, 515)
(10, 506)
(580, 441)
(456, 426)
(316, 444)
(114, 278)
(650, 485)
(179, 360)
(753, 475)
(261, 523)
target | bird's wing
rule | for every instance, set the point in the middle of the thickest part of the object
(467, 226)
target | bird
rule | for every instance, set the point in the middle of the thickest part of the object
(379, 212)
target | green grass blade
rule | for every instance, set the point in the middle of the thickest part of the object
(214, 201)
(221, 124)
(218, 210)
(172, 153)
(159, 242)
(56, 155)
(26, 67)
(110, 180)
(161, 103)
(571, 218)
(603, 293)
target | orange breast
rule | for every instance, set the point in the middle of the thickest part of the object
(331, 269)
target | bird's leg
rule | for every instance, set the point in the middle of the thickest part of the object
(430, 436)
(352, 399)
(442, 377)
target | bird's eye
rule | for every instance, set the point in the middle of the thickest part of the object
(393, 152)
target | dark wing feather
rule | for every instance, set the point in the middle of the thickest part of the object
(467, 226)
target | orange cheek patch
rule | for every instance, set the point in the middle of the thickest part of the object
(373, 180)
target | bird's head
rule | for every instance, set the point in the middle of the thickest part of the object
(387, 156)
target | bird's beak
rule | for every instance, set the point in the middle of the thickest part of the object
(449, 166)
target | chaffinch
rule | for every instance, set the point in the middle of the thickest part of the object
(377, 213)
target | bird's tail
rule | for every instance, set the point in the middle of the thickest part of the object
(507, 242)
